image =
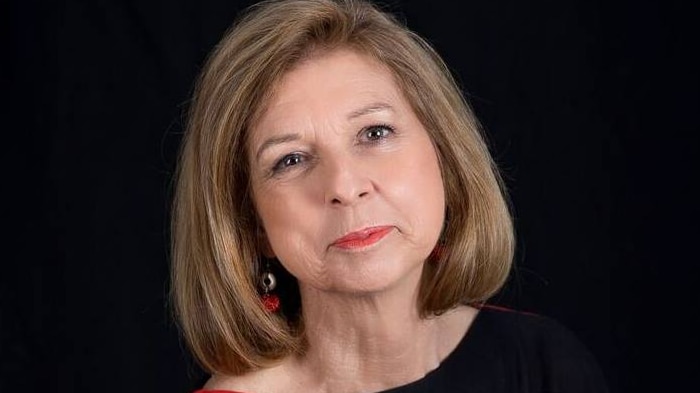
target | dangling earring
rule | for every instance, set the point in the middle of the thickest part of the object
(268, 282)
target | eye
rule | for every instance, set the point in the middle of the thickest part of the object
(288, 161)
(376, 133)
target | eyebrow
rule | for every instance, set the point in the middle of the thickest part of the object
(371, 108)
(275, 140)
(280, 139)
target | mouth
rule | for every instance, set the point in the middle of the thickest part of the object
(362, 238)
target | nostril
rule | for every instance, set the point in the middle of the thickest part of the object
(363, 194)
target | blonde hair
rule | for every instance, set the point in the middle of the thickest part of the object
(216, 247)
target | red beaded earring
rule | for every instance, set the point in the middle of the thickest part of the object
(268, 282)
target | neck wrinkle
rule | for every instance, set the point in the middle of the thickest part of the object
(369, 342)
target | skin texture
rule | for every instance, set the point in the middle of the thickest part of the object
(356, 157)
(339, 150)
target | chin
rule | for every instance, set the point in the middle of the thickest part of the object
(371, 278)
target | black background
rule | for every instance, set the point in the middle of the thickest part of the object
(590, 109)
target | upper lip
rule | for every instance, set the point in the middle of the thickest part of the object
(360, 234)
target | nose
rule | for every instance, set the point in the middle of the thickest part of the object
(346, 182)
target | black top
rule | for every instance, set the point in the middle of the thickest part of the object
(513, 352)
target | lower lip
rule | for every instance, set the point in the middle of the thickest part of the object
(373, 237)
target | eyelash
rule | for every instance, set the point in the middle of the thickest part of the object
(374, 127)
(283, 164)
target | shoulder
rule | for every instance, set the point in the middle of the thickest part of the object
(522, 330)
(533, 329)
(549, 353)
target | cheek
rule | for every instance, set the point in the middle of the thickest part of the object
(430, 191)
(419, 187)
(276, 216)
(290, 228)
(287, 221)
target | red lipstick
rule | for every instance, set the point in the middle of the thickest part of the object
(362, 238)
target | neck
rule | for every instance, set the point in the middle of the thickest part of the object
(369, 341)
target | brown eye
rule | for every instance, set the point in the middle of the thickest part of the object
(288, 161)
(377, 132)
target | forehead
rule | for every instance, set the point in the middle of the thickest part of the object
(327, 87)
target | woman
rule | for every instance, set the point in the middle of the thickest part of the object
(338, 219)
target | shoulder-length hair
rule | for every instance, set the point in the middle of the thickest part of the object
(216, 243)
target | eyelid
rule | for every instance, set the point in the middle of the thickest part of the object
(278, 167)
(364, 130)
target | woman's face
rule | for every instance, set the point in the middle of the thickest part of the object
(345, 178)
